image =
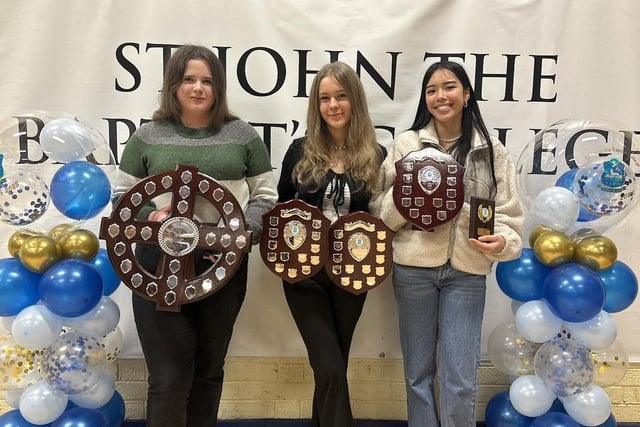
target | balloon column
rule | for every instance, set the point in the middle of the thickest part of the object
(576, 181)
(59, 325)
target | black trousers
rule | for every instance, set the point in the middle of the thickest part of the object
(326, 317)
(185, 350)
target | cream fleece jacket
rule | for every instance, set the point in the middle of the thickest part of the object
(450, 241)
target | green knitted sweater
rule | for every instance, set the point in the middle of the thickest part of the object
(234, 155)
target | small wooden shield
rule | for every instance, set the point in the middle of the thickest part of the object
(360, 252)
(294, 244)
(429, 187)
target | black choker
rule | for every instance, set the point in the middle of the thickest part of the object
(340, 147)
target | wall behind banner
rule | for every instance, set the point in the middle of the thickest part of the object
(532, 63)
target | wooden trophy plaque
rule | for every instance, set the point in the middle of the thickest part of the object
(429, 187)
(360, 252)
(294, 244)
(180, 234)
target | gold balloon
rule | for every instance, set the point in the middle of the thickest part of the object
(577, 236)
(536, 232)
(596, 252)
(39, 253)
(79, 243)
(17, 239)
(553, 248)
(59, 230)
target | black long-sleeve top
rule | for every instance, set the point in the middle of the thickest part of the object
(289, 189)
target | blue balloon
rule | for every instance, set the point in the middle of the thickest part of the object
(71, 287)
(567, 180)
(80, 190)
(18, 287)
(522, 278)
(573, 292)
(501, 413)
(79, 417)
(620, 285)
(15, 419)
(110, 279)
(113, 411)
(557, 406)
(554, 419)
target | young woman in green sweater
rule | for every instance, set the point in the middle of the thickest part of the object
(185, 350)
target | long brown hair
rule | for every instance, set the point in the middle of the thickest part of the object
(170, 108)
(363, 153)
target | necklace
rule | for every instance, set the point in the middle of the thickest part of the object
(451, 139)
(340, 147)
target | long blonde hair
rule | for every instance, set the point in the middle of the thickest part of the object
(363, 153)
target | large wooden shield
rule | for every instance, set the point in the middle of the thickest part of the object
(174, 282)
(429, 187)
(360, 252)
(294, 240)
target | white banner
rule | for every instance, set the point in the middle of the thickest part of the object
(532, 63)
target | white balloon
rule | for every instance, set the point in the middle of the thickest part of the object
(536, 322)
(12, 397)
(597, 333)
(40, 404)
(99, 321)
(557, 208)
(36, 327)
(530, 396)
(97, 395)
(7, 322)
(590, 408)
(65, 140)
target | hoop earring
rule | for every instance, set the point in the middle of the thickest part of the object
(465, 103)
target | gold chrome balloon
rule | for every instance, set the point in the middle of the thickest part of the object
(583, 233)
(596, 252)
(39, 253)
(59, 230)
(536, 232)
(17, 239)
(553, 248)
(80, 243)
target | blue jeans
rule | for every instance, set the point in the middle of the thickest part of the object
(440, 316)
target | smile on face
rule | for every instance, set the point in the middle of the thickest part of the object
(446, 97)
(195, 94)
(335, 106)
